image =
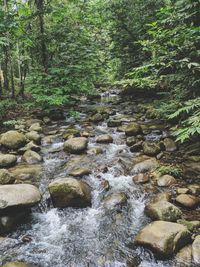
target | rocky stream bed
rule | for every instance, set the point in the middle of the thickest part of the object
(87, 191)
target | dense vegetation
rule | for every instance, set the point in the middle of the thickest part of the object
(52, 51)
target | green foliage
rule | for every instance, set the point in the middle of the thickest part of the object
(170, 170)
(74, 114)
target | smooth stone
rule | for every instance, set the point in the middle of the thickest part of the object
(130, 141)
(151, 148)
(114, 123)
(192, 226)
(13, 139)
(163, 238)
(184, 257)
(6, 177)
(7, 160)
(31, 157)
(96, 118)
(196, 250)
(33, 136)
(18, 196)
(145, 166)
(70, 192)
(166, 180)
(30, 146)
(105, 185)
(163, 210)
(95, 151)
(16, 264)
(35, 127)
(104, 138)
(182, 190)
(71, 133)
(194, 189)
(141, 178)
(30, 122)
(170, 145)
(133, 129)
(115, 200)
(26, 172)
(80, 172)
(136, 147)
(76, 145)
(188, 201)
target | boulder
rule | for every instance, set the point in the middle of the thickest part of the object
(184, 257)
(6, 177)
(13, 139)
(35, 127)
(133, 129)
(188, 201)
(70, 192)
(34, 136)
(18, 196)
(27, 172)
(31, 157)
(163, 210)
(9, 222)
(145, 166)
(196, 250)
(169, 144)
(76, 145)
(141, 178)
(151, 148)
(7, 160)
(166, 180)
(104, 138)
(163, 238)
(115, 201)
(80, 172)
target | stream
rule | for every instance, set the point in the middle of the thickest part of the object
(93, 236)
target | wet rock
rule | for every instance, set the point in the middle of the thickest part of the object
(130, 141)
(30, 146)
(192, 226)
(114, 123)
(163, 210)
(6, 177)
(35, 127)
(95, 151)
(136, 147)
(166, 180)
(50, 139)
(26, 172)
(184, 257)
(151, 148)
(104, 138)
(196, 250)
(70, 192)
(7, 160)
(33, 121)
(170, 145)
(31, 157)
(76, 145)
(194, 189)
(80, 172)
(115, 200)
(133, 129)
(71, 133)
(163, 238)
(96, 118)
(141, 178)
(145, 166)
(13, 139)
(187, 200)
(9, 222)
(182, 190)
(16, 264)
(33, 136)
(164, 196)
(105, 185)
(18, 196)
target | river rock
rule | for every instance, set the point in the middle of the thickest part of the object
(33, 136)
(182, 190)
(35, 127)
(7, 160)
(130, 141)
(166, 180)
(30, 122)
(163, 210)
(16, 264)
(136, 147)
(164, 196)
(133, 129)
(194, 189)
(70, 192)
(184, 257)
(18, 196)
(70, 133)
(104, 138)
(141, 178)
(145, 166)
(76, 145)
(27, 173)
(6, 177)
(187, 200)
(13, 139)
(115, 200)
(80, 172)
(9, 222)
(114, 123)
(151, 148)
(31, 157)
(196, 250)
(192, 226)
(96, 118)
(163, 238)
(95, 151)
(169, 144)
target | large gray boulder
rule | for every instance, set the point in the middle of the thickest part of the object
(70, 192)
(13, 139)
(7, 160)
(76, 145)
(18, 196)
(163, 238)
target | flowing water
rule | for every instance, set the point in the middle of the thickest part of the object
(85, 237)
